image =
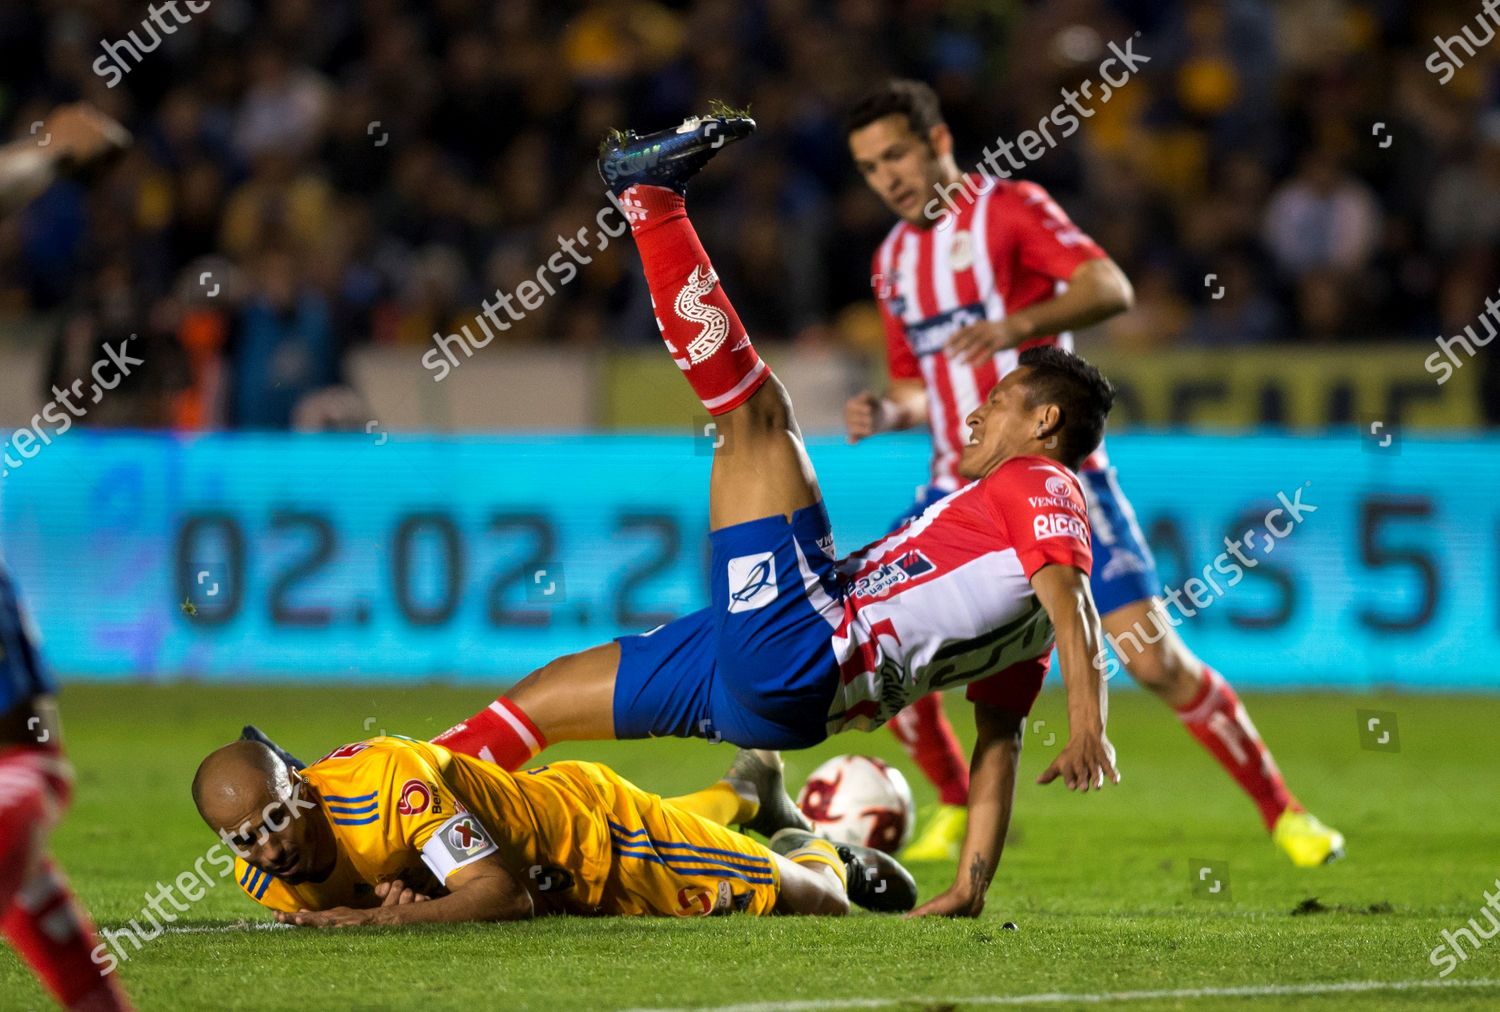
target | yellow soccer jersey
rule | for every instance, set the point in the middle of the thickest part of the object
(581, 839)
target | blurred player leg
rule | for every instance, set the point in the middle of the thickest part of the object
(1142, 634)
(38, 914)
(1212, 713)
(923, 730)
(721, 803)
(751, 794)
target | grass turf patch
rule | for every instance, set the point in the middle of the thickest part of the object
(1101, 886)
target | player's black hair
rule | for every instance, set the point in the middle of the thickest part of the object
(1080, 392)
(913, 99)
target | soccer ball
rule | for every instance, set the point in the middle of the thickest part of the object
(860, 800)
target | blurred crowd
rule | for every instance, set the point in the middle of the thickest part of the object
(315, 175)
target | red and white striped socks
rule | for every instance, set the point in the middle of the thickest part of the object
(501, 733)
(1218, 720)
(697, 322)
(928, 738)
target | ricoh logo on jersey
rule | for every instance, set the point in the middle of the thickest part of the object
(932, 334)
(910, 566)
(1059, 525)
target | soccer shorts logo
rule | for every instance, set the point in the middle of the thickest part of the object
(752, 581)
(714, 321)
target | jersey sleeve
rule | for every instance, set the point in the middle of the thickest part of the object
(1040, 234)
(269, 892)
(430, 818)
(1039, 505)
(900, 359)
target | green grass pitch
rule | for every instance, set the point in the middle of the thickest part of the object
(1100, 885)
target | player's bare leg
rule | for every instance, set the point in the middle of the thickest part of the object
(760, 470)
(869, 878)
(569, 699)
(810, 885)
(1212, 713)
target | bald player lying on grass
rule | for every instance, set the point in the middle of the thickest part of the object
(397, 831)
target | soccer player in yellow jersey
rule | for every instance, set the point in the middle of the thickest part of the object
(397, 831)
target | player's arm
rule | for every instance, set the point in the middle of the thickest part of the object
(483, 890)
(72, 135)
(992, 795)
(1088, 759)
(903, 406)
(1097, 289)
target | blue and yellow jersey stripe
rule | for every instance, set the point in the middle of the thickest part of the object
(255, 882)
(689, 858)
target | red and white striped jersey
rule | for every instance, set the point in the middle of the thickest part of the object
(1007, 248)
(947, 600)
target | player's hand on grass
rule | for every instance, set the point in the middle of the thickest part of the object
(1087, 761)
(955, 901)
(338, 917)
(863, 415)
(978, 341)
(396, 893)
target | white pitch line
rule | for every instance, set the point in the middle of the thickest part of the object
(1100, 998)
(207, 929)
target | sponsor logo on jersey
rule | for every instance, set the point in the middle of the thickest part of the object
(695, 902)
(415, 798)
(890, 574)
(961, 253)
(825, 545)
(932, 334)
(1059, 525)
(1059, 487)
(1051, 501)
(712, 320)
(752, 581)
(465, 837)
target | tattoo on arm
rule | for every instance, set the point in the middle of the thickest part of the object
(978, 881)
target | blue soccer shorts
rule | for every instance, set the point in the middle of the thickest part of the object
(756, 667)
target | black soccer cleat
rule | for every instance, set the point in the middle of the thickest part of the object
(877, 881)
(253, 733)
(762, 770)
(669, 157)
